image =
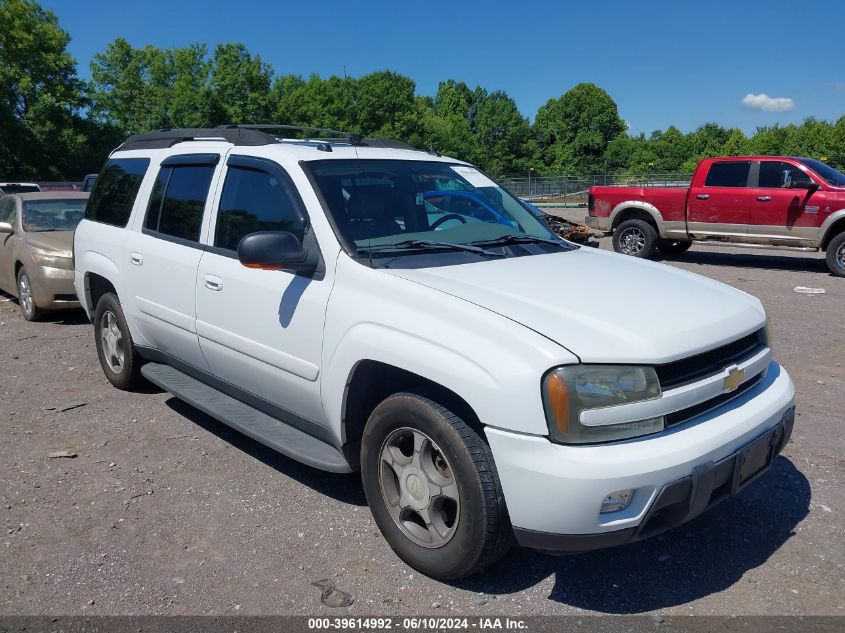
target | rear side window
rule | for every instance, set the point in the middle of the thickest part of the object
(178, 201)
(115, 191)
(776, 174)
(732, 174)
(254, 200)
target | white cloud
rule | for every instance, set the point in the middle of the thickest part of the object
(766, 103)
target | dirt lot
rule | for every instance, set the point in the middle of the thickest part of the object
(165, 511)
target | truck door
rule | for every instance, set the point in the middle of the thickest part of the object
(780, 213)
(262, 330)
(719, 207)
(165, 254)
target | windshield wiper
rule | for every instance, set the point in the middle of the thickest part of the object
(426, 244)
(506, 240)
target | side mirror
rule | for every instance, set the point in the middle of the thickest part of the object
(275, 250)
(6, 227)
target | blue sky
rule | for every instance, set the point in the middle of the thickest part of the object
(662, 62)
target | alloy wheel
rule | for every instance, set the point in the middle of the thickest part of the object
(112, 341)
(25, 294)
(632, 241)
(419, 487)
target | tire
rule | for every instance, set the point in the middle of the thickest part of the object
(26, 300)
(118, 357)
(636, 238)
(671, 248)
(431, 447)
(836, 255)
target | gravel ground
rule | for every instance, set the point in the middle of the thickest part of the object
(165, 511)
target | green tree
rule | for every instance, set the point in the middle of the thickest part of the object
(40, 95)
(384, 100)
(240, 86)
(575, 130)
(737, 144)
(503, 134)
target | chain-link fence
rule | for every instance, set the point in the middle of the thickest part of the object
(574, 189)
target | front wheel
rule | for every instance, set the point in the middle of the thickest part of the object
(26, 298)
(836, 255)
(636, 238)
(120, 361)
(432, 487)
(670, 248)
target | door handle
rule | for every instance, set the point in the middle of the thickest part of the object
(136, 258)
(703, 196)
(213, 283)
(764, 198)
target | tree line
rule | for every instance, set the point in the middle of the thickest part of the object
(54, 125)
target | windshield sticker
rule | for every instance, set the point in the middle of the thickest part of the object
(473, 176)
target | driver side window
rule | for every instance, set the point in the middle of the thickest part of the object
(254, 200)
(776, 174)
(7, 210)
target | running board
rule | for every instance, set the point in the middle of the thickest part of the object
(259, 426)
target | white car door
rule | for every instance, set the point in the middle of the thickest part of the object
(261, 330)
(164, 254)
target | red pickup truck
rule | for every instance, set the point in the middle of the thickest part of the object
(761, 200)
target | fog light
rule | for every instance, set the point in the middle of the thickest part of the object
(616, 501)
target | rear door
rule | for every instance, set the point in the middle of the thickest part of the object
(780, 214)
(719, 208)
(165, 253)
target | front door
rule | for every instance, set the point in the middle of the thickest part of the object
(165, 254)
(719, 209)
(782, 214)
(262, 330)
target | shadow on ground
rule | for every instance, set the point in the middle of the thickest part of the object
(344, 488)
(752, 260)
(703, 557)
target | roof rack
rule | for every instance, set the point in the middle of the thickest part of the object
(253, 135)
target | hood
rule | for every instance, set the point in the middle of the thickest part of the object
(52, 242)
(601, 306)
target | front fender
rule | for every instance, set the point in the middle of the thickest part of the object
(827, 225)
(493, 363)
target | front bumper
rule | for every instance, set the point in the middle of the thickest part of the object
(681, 500)
(554, 492)
(52, 288)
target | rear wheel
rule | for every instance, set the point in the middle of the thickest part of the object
(432, 487)
(26, 298)
(836, 255)
(120, 361)
(636, 238)
(671, 248)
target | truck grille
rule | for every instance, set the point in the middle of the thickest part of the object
(687, 370)
(677, 417)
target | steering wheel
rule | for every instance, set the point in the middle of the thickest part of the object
(448, 216)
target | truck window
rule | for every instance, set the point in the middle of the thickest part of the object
(178, 200)
(728, 174)
(773, 174)
(254, 200)
(116, 188)
(7, 210)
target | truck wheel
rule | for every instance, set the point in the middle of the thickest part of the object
(120, 361)
(636, 238)
(836, 255)
(671, 248)
(433, 489)
(26, 298)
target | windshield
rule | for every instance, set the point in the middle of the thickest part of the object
(52, 215)
(833, 177)
(379, 203)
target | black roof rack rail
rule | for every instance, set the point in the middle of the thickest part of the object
(251, 134)
(171, 136)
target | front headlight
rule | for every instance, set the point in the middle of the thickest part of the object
(53, 261)
(568, 391)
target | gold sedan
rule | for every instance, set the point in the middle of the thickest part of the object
(36, 249)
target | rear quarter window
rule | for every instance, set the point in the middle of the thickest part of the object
(115, 191)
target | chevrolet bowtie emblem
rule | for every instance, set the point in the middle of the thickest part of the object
(733, 379)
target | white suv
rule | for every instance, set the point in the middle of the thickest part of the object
(355, 303)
